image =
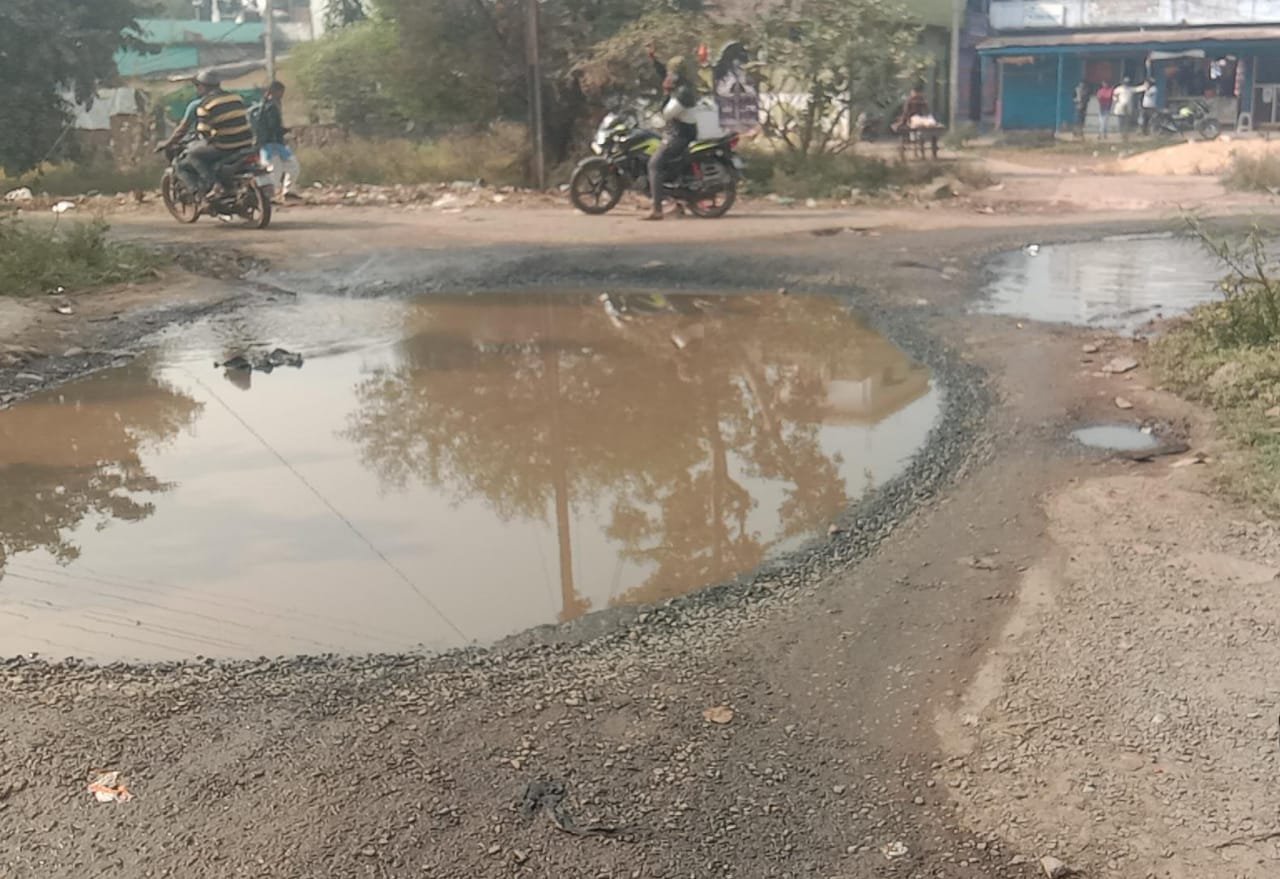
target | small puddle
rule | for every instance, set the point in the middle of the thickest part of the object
(1115, 438)
(1117, 284)
(469, 467)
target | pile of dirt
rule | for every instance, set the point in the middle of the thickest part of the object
(1194, 157)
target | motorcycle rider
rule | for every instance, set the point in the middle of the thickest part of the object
(221, 120)
(682, 127)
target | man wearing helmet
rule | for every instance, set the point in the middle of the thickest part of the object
(221, 120)
(679, 86)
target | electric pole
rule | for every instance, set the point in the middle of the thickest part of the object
(535, 94)
(269, 23)
(953, 75)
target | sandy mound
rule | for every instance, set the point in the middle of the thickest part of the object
(1197, 157)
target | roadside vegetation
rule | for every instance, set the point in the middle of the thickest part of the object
(496, 156)
(1253, 173)
(86, 178)
(1226, 355)
(830, 58)
(850, 174)
(36, 258)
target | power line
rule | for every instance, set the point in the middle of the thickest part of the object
(333, 509)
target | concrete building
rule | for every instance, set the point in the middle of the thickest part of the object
(1224, 52)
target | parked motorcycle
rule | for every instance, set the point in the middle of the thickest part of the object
(246, 195)
(1195, 116)
(705, 180)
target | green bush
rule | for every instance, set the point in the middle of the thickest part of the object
(837, 176)
(1226, 356)
(76, 178)
(37, 259)
(500, 155)
(1253, 173)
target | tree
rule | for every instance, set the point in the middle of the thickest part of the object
(823, 61)
(82, 459)
(49, 48)
(351, 76)
(340, 13)
(693, 465)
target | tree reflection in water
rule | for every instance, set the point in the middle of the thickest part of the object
(74, 454)
(674, 416)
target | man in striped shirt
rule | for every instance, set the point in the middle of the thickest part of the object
(221, 120)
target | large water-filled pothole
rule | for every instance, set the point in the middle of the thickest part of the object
(441, 471)
(1118, 283)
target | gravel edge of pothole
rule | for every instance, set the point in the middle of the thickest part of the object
(954, 443)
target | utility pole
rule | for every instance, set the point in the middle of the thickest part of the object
(953, 76)
(269, 22)
(535, 94)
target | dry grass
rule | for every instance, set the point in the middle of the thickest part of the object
(499, 155)
(1253, 172)
(37, 258)
(1225, 355)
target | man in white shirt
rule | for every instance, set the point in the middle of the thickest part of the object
(1122, 108)
(1150, 103)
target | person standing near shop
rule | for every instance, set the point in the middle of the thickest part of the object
(1080, 99)
(1106, 97)
(1150, 103)
(1123, 106)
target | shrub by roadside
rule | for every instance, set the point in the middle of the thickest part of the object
(1225, 355)
(1253, 173)
(76, 178)
(499, 156)
(37, 259)
(842, 175)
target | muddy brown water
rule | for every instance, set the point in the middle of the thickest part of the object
(440, 472)
(1117, 284)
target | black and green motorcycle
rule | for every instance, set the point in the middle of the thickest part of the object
(705, 181)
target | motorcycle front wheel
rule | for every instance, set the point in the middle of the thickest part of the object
(1209, 129)
(714, 205)
(177, 200)
(595, 187)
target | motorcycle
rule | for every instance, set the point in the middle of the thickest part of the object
(1195, 116)
(705, 180)
(247, 190)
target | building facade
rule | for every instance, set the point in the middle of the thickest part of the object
(1223, 52)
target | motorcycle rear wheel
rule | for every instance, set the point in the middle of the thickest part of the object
(719, 203)
(1209, 129)
(595, 188)
(255, 206)
(171, 191)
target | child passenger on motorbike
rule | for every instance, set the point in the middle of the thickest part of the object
(681, 125)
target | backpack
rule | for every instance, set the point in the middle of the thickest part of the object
(255, 122)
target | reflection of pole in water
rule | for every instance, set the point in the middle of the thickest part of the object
(572, 605)
(719, 478)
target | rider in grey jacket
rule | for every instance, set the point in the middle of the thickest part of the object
(681, 129)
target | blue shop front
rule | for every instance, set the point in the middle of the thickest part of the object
(1235, 70)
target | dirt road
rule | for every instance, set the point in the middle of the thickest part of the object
(948, 688)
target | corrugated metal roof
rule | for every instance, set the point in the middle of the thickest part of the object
(179, 32)
(1187, 37)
